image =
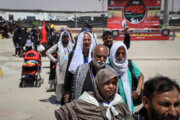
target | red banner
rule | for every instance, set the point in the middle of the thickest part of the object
(155, 34)
(44, 36)
(138, 14)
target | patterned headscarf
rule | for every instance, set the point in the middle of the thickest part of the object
(102, 77)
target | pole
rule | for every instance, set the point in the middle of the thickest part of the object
(103, 15)
(76, 19)
(166, 14)
(172, 7)
(103, 6)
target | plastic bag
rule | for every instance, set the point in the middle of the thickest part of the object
(40, 48)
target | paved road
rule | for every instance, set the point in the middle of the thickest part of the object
(152, 57)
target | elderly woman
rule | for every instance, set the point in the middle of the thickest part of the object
(103, 103)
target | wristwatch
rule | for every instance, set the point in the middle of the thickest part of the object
(138, 93)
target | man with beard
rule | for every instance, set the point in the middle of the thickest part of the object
(84, 76)
(161, 100)
(118, 59)
(63, 48)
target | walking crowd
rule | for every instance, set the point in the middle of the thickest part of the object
(98, 81)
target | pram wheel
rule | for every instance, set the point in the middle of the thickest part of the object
(22, 84)
(42, 80)
(37, 83)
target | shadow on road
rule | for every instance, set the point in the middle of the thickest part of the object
(28, 85)
(52, 99)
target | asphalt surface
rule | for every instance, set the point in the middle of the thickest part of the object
(31, 103)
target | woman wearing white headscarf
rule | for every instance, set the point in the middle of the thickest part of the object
(63, 48)
(78, 56)
(125, 77)
(90, 105)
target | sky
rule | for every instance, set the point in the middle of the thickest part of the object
(63, 5)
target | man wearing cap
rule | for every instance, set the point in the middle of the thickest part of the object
(63, 48)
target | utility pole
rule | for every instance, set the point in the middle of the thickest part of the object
(172, 6)
(166, 14)
(103, 14)
(103, 6)
(75, 19)
(103, 11)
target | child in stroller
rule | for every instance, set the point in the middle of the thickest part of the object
(31, 69)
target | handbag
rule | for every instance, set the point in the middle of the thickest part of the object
(138, 101)
(40, 48)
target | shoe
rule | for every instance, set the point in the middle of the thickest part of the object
(48, 86)
(58, 103)
(53, 90)
(50, 90)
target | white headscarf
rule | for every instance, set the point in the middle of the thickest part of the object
(78, 57)
(110, 107)
(61, 48)
(121, 69)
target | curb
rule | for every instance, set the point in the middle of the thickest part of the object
(1, 72)
(177, 35)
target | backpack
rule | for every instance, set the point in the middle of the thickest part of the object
(138, 101)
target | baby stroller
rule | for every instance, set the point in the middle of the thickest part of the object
(31, 69)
